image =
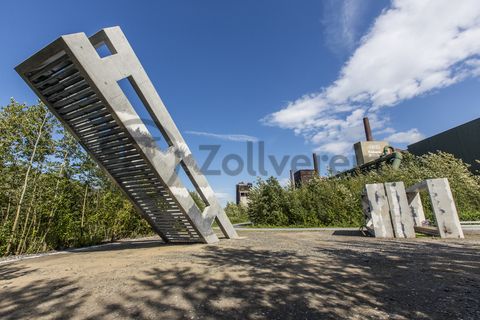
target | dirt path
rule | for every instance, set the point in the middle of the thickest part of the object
(276, 275)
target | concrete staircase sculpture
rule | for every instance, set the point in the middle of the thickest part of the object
(82, 90)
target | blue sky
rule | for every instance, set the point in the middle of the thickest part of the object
(297, 75)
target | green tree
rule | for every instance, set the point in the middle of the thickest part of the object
(52, 195)
(236, 213)
(268, 203)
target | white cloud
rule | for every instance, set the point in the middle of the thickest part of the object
(413, 47)
(405, 137)
(284, 182)
(340, 23)
(223, 198)
(475, 65)
(229, 137)
(223, 195)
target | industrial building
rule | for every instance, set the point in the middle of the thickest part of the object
(462, 141)
(369, 150)
(301, 177)
(242, 191)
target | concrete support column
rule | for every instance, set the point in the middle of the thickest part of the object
(416, 208)
(400, 214)
(377, 211)
(443, 205)
(444, 208)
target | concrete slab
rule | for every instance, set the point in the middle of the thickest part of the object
(444, 208)
(400, 214)
(377, 211)
(416, 208)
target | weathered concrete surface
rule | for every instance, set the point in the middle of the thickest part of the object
(443, 205)
(444, 208)
(296, 275)
(377, 210)
(416, 208)
(400, 213)
(366, 151)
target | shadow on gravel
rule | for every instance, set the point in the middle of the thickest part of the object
(362, 280)
(45, 298)
(11, 271)
(421, 280)
(348, 233)
(123, 245)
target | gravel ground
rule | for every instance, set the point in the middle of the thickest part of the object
(274, 275)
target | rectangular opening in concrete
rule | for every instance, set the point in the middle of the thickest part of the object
(134, 96)
(103, 50)
(189, 183)
(143, 112)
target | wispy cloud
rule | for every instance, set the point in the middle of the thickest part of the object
(228, 137)
(405, 137)
(341, 21)
(224, 197)
(413, 47)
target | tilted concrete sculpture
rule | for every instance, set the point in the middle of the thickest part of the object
(377, 211)
(402, 221)
(392, 211)
(81, 89)
(443, 205)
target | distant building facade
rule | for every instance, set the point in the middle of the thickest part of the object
(462, 141)
(301, 177)
(367, 151)
(242, 192)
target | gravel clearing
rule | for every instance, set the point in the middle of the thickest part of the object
(274, 275)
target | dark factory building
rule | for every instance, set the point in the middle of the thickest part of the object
(242, 191)
(301, 177)
(462, 141)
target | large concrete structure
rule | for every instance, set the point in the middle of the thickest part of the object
(370, 150)
(367, 151)
(462, 141)
(82, 90)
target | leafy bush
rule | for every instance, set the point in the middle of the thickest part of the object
(335, 201)
(236, 213)
(269, 203)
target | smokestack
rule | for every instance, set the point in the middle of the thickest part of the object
(292, 179)
(315, 164)
(368, 131)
